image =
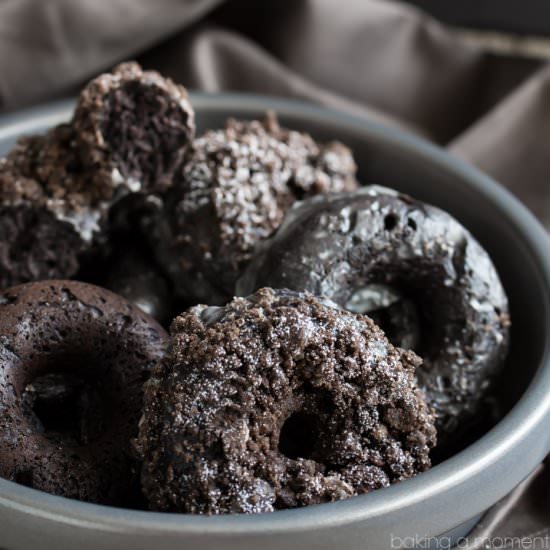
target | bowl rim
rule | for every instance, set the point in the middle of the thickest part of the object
(530, 411)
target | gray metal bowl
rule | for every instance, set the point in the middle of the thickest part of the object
(445, 501)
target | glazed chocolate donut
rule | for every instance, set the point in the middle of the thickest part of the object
(338, 247)
(86, 352)
(232, 193)
(275, 401)
(133, 127)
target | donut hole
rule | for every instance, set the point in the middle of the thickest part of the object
(412, 224)
(67, 403)
(397, 310)
(299, 435)
(146, 130)
(403, 324)
(390, 221)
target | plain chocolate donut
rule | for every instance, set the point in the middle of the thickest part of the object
(345, 247)
(106, 347)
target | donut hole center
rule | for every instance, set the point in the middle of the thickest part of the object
(299, 435)
(395, 311)
(66, 404)
(146, 130)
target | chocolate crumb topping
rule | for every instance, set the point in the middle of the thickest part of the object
(134, 127)
(232, 193)
(51, 214)
(275, 401)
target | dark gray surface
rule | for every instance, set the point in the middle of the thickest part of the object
(452, 494)
(525, 17)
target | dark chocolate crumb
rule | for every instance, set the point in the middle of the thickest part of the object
(233, 192)
(275, 401)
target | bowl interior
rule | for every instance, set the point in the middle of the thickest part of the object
(509, 234)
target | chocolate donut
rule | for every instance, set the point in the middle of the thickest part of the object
(128, 134)
(275, 401)
(51, 215)
(340, 246)
(232, 193)
(133, 127)
(84, 352)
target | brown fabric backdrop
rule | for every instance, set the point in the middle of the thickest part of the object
(370, 57)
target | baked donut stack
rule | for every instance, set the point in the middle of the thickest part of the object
(367, 325)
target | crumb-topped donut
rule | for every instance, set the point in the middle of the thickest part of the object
(128, 134)
(134, 127)
(340, 246)
(232, 193)
(69, 341)
(275, 401)
(51, 214)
